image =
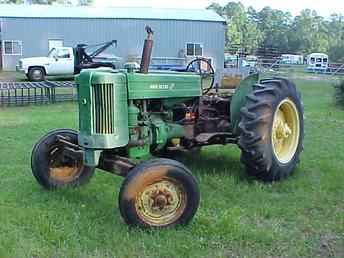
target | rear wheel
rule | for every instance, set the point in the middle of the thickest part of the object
(54, 170)
(159, 193)
(36, 74)
(271, 129)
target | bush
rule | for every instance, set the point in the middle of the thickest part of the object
(339, 93)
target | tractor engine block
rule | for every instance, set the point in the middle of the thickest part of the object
(213, 115)
(133, 112)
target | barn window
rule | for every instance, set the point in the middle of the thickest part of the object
(13, 47)
(194, 49)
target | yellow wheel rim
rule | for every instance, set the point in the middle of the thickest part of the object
(161, 203)
(64, 174)
(285, 131)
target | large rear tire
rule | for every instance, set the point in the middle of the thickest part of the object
(271, 130)
(53, 170)
(159, 193)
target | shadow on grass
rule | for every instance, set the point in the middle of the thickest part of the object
(210, 163)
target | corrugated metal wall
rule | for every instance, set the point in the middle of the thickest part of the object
(170, 36)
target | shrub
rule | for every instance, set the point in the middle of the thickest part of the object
(339, 93)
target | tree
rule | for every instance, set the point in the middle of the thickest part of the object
(217, 8)
(304, 34)
(274, 25)
(336, 34)
(85, 2)
(309, 33)
(11, 1)
(240, 31)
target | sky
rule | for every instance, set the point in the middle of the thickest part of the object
(323, 7)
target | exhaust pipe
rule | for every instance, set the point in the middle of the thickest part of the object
(147, 51)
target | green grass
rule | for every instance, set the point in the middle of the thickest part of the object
(339, 93)
(302, 216)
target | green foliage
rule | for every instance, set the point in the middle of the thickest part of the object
(85, 2)
(309, 32)
(11, 1)
(304, 34)
(80, 2)
(241, 29)
(339, 93)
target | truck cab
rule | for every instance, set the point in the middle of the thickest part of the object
(59, 61)
(65, 61)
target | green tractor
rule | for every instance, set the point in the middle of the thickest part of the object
(127, 117)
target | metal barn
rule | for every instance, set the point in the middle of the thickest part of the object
(180, 35)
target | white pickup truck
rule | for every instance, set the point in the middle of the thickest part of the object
(66, 61)
(60, 61)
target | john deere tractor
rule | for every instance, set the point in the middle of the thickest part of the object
(128, 117)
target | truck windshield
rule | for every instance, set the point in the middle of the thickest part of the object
(52, 52)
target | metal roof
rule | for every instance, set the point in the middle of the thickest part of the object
(57, 11)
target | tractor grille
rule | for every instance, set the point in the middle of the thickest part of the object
(103, 108)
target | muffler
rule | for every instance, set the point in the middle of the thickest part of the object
(147, 51)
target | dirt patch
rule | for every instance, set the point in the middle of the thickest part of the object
(11, 76)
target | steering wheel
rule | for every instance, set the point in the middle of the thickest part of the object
(203, 67)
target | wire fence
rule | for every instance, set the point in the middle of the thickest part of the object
(268, 65)
(26, 93)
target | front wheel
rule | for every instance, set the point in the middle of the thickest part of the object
(51, 168)
(159, 193)
(271, 127)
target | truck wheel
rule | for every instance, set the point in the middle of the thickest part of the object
(36, 74)
(51, 168)
(271, 127)
(159, 193)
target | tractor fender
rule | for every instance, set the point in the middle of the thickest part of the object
(239, 99)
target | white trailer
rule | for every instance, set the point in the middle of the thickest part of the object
(292, 59)
(317, 62)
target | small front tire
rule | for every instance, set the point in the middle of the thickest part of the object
(159, 193)
(51, 169)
